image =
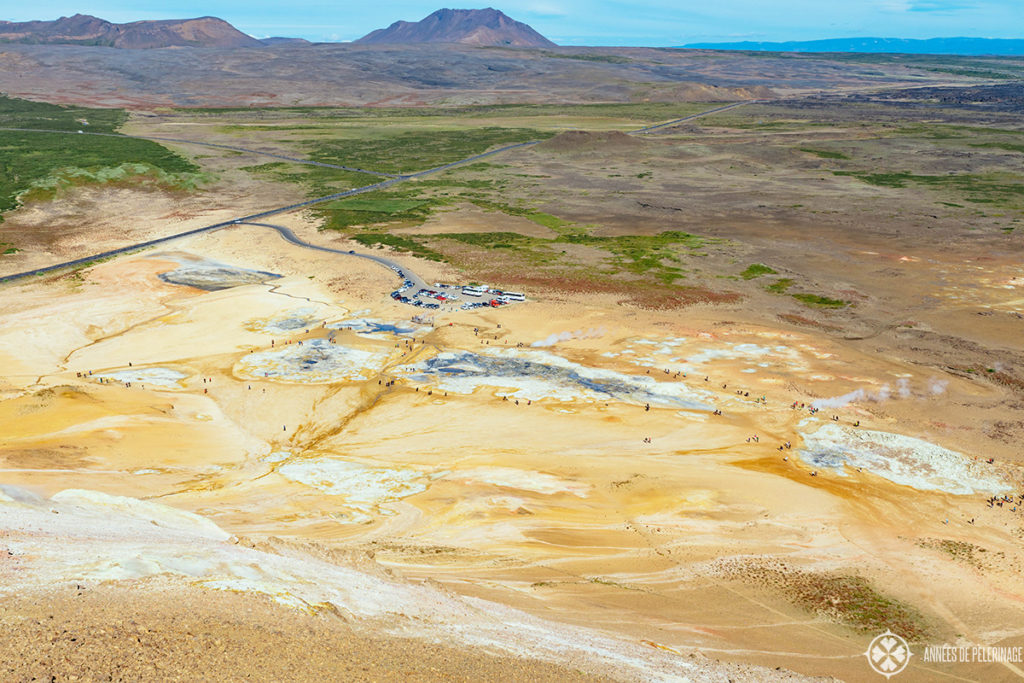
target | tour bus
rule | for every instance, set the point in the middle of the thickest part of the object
(514, 296)
(474, 291)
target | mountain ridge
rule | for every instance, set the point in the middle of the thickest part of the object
(482, 27)
(84, 29)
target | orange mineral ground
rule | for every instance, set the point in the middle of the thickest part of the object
(557, 489)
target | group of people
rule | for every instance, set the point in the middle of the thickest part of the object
(1007, 501)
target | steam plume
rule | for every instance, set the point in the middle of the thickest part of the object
(553, 339)
(936, 387)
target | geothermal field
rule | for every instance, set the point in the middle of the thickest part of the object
(761, 404)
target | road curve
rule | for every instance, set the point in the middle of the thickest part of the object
(287, 233)
(391, 180)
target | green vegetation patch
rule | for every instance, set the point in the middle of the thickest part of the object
(651, 256)
(17, 113)
(419, 150)
(824, 153)
(655, 256)
(820, 301)
(976, 73)
(633, 111)
(320, 181)
(36, 165)
(783, 284)
(854, 602)
(976, 188)
(272, 167)
(957, 550)
(394, 205)
(1008, 146)
(547, 220)
(607, 59)
(756, 270)
(780, 286)
(398, 243)
(744, 123)
(380, 205)
(973, 66)
(39, 164)
(137, 175)
(493, 240)
(845, 599)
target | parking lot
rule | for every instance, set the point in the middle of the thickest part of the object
(441, 296)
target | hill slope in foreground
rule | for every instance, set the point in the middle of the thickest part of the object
(83, 29)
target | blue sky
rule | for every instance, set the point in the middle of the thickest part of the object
(587, 22)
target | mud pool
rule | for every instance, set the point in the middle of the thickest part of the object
(292, 321)
(535, 375)
(210, 275)
(373, 328)
(165, 378)
(316, 361)
(903, 460)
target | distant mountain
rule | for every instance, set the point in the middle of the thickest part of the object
(467, 26)
(931, 46)
(278, 40)
(83, 29)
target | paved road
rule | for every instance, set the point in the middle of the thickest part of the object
(391, 180)
(208, 228)
(691, 117)
(295, 160)
(416, 283)
(471, 159)
(401, 271)
(248, 219)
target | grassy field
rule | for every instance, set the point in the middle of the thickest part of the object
(319, 181)
(780, 286)
(313, 117)
(854, 602)
(824, 153)
(398, 243)
(1003, 189)
(36, 165)
(844, 146)
(397, 141)
(409, 151)
(820, 301)
(756, 270)
(377, 208)
(18, 113)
